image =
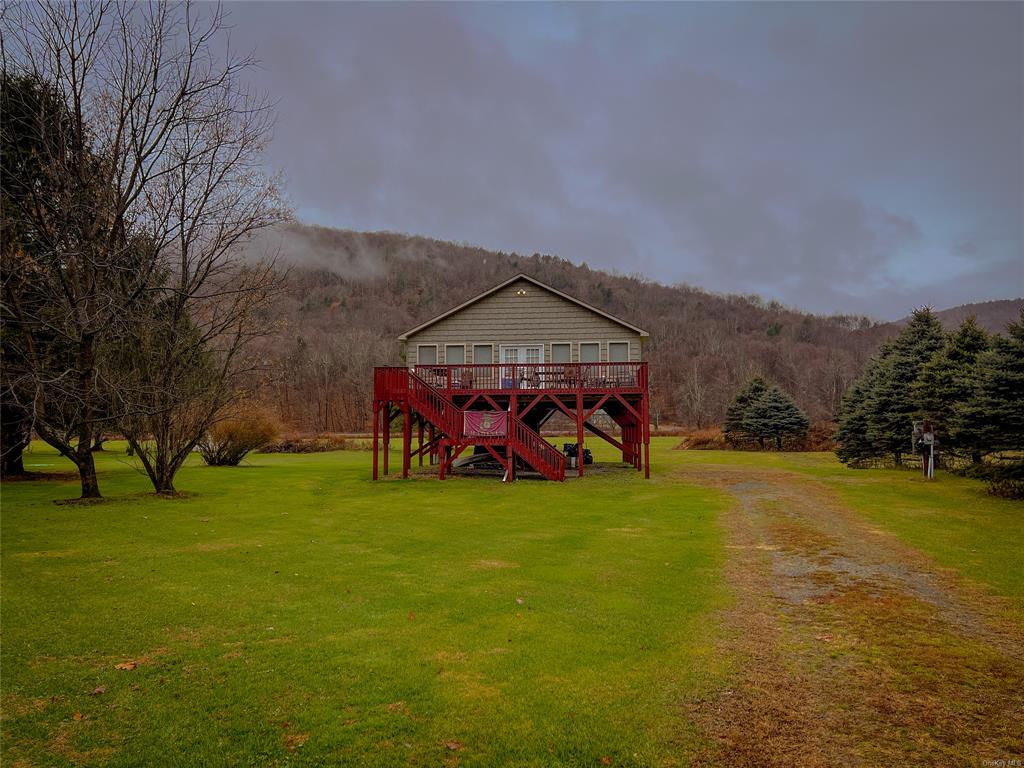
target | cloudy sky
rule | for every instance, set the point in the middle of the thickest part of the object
(838, 157)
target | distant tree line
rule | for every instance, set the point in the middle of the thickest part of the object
(131, 174)
(968, 384)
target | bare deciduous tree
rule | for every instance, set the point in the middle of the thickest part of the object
(144, 279)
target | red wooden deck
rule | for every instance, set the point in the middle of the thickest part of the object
(434, 398)
(566, 377)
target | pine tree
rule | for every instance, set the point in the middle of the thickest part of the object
(945, 385)
(774, 416)
(733, 424)
(877, 413)
(992, 419)
(852, 444)
(890, 402)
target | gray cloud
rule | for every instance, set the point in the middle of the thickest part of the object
(839, 157)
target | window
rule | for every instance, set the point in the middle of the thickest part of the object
(426, 354)
(590, 352)
(483, 354)
(533, 355)
(618, 351)
(561, 353)
(455, 354)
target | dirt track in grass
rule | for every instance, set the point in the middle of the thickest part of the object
(851, 648)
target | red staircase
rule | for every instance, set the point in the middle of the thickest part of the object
(405, 388)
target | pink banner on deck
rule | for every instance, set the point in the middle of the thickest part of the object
(486, 423)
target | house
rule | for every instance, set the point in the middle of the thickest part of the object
(492, 371)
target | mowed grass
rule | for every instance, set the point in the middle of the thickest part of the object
(293, 612)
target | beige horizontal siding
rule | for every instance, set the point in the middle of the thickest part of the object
(539, 317)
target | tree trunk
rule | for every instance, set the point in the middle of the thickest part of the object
(97, 444)
(778, 442)
(898, 456)
(760, 442)
(163, 482)
(87, 473)
(86, 430)
(13, 464)
(976, 457)
(15, 436)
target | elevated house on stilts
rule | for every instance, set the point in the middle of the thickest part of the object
(482, 380)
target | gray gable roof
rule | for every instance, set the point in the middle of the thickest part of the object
(535, 282)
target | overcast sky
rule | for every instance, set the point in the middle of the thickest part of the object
(838, 157)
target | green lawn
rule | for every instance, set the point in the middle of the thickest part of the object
(293, 612)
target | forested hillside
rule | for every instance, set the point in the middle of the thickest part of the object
(350, 294)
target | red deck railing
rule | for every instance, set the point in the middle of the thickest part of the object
(533, 376)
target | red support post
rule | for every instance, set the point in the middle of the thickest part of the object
(406, 440)
(509, 453)
(376, 429)
(419, 436)
(387, 435)
(579, 434)
(646, 426)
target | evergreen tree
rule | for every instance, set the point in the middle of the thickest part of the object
(890, 401)
(945, 385)
(877, 413)
(992, 419)
(852, 444)
(734, 416)
(774, 416)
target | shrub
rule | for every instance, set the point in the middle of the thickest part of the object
(1007, 487)
(229, 440)
(821, 437)
(703, 440)
(1003, 474)
(316, 444)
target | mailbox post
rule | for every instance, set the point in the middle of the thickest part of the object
(924, 442)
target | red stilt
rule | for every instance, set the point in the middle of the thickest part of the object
(419, 436)
(376, 429)
(513, 407)
(387, 435)
(646, 426)
(406, 441)
(579, 434)
(446, 455)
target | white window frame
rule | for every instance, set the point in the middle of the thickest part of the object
(503, 372)
(503, 347)
(447, 361)
(476, 344)
(590, 343)
(551, 354)
(419, 358)
(629, 349)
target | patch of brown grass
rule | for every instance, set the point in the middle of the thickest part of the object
(490, 565)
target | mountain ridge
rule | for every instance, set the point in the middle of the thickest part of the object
(349, 295)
